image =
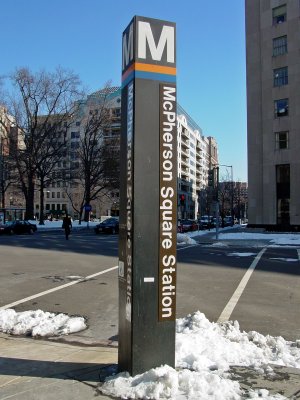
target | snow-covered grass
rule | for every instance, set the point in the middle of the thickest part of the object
(205, 351)
(274, 238)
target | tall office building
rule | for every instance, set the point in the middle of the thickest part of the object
(273, 106)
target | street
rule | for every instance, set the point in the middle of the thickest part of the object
(44, 271)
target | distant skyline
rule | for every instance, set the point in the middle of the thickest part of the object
(86, 37)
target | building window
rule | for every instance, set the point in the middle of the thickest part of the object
(53, 195)
(75, 135)
(58, 195)
(279, 14)
(279, 46)
(281, 140)
(280, 76)
(281, 108)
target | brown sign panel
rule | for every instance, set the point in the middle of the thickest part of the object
(167, 203)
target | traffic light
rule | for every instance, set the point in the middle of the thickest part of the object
(211, 177)
(182, 199)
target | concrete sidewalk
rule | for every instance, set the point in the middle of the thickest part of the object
(32, 369)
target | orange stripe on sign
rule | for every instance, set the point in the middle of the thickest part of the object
(131, 68)
(155, 68)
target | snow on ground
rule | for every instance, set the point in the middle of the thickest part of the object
(276, 238)
(39, 323)
(183, 239)
(238, 254)
(204, 353)
(187, 238)
(58, 224)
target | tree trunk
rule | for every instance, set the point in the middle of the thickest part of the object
(41, 221)
(30, 200)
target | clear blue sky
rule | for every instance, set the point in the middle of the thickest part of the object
(85, 36)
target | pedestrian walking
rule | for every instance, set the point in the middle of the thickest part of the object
(67, 225)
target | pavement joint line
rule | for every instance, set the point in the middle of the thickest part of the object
(226, 313)
(15, 303)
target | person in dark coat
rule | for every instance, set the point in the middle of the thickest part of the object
(67, 225)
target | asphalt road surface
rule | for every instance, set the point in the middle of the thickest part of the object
(260, 288)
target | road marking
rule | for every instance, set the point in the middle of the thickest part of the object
(226, 313)
(187, 247)
(15, 303)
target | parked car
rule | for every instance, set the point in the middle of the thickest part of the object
(228, 221)
(205, 222)
(17, 227)
(214, 222)
(187, 225)
(110, 225)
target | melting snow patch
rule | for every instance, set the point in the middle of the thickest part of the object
(219, 244)
(183, 239)
(284, 259)
(242, 254)
(39, 323)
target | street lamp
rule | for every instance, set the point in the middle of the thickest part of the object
(230, 166)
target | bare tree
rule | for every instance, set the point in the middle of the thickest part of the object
(41, 104)
(7, 170)
(97, 168)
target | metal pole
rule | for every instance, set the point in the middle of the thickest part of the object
(231, 178)
(217, 204)
(232, 214)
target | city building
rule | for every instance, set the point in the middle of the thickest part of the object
(64, 194)
(196, 155)
(273, 108)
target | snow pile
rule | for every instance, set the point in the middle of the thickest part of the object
(203, 345)
(204, 353)
(184, 239)
(39, 323)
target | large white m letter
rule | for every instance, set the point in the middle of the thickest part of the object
(166, 38)
(127, 47)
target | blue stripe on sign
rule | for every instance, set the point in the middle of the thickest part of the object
(128, 79)
(155, 76)
(149, 75)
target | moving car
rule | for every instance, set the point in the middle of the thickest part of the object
(17, 227)
(110, 225)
